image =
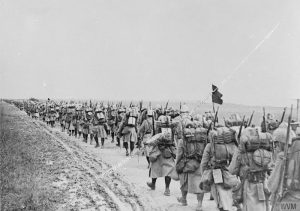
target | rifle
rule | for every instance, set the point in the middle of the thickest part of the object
(281, 190)
(240, 130)
(139, 145)
(141, 105)
(212, 124)
(282, 117)
(167, 105)
(216, 116)
(153, 128)
(249, 123)
(264, 125)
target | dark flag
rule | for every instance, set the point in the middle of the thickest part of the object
(216, 95)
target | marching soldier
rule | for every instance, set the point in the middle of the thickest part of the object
(162, 155)
(251, 163)
(111, 120)
(128, 130)
(119, 118)
(215, 160)
(86, 125)
(287, 191)
(145, 131)
(100, 127)
(189, 154)
(79, 122)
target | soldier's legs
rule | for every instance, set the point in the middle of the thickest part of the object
(118, 141)
(97, 142)
(152, 183)
(75, 132)
(91, 138)
(112, 137)
(167, 182)
(148, 160)
(131, 146)
(200, 199)
(85, 136)
(182, 199)
(125, 144)
(102, 142)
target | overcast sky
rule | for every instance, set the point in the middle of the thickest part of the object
(155, 49)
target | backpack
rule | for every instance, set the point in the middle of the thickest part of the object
(195, 142)
(223, 145)
(132, 118)
(258, 147)
(222, 135)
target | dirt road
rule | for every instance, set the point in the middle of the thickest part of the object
(78, 176)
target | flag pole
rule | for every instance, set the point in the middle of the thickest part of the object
(212, 100)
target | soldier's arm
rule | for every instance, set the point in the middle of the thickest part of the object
(141, 130)
(205, 158)
(180, 151)
(235, 163)
(154, 139)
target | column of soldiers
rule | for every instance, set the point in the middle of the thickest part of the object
(240, 165)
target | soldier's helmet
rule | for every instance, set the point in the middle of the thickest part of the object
(114, 107)
(270, 116)
(170, 111)
(121, 110)
(184, 109)
(98, 109)
(150, 112)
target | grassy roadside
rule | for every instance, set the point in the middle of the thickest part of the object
(23, 178)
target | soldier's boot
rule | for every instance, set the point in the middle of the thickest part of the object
(91, 138)
(167, 182)
(102, 142)
(167, 192)
(118, 141)
(97, 142)
(182, 199)
(200, 199)
(112, 137)
(152, 184)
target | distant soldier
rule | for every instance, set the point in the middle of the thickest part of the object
(100, 127)
(111, 121)
(86, 125)
(162, 155)
(128, 130)
(120, 116)
(289, 190)
(79, 116)
(251, 163)
(52, 116)
(63, 116)
(145, 131)
(216, 158)
(72, 124)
